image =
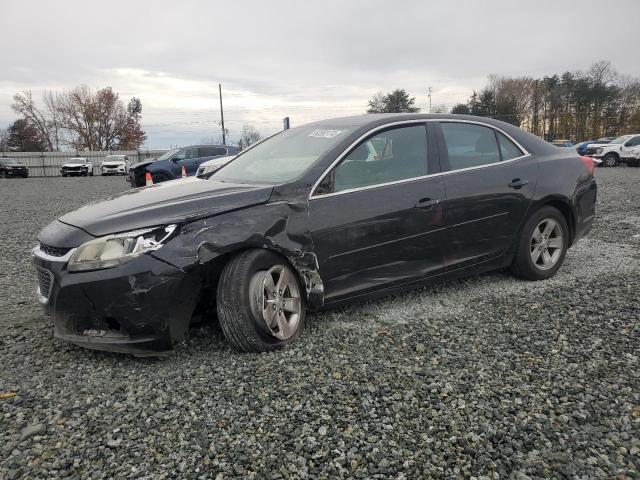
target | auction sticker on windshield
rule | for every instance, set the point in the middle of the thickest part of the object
(320, 133)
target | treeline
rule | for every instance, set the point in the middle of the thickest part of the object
(579, 105)
(80, 118)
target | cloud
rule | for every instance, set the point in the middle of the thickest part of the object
(302, 59)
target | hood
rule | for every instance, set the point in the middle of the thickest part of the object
(113, 163)
(144, 163)
(75, 164)
(14, 165)
(168, 202)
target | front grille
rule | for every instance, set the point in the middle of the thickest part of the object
(45, 282)
(54, 251)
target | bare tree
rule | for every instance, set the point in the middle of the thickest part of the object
(99, 120)
(24, 105)
(248, 137)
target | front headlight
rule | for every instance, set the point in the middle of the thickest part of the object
(207, 170)
(599, 151)
(113, 250)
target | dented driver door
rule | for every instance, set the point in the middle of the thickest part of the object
(380, 220)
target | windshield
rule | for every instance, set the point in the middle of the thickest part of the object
(8, 161)
(114, 158)
(283, 157)
(77, 161)
(167, 155)
(621, 139)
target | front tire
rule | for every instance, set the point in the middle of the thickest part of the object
(542, 246)
(259, 302)
(610, 160)
(159, 178)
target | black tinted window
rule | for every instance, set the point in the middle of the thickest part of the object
(386, 156)
(634, 142)
(508, 149)
(469, 145)
(212, 151)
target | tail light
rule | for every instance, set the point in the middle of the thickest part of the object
(588, 162)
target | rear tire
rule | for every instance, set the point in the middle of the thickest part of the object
(3, 174)
(246, 297)
(610, 160)
(542, 246)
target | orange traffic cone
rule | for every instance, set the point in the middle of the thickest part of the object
(147, 179)
(184, 172)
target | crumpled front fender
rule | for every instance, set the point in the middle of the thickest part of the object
(280, 226)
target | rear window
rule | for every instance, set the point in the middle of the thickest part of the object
(212, 151)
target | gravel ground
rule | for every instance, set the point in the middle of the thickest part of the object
(488, 377)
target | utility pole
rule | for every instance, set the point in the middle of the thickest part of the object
(224, 136)
(429, 99)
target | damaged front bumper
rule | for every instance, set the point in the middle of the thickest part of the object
(141, 307)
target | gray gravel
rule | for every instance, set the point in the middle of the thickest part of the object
(488, 377)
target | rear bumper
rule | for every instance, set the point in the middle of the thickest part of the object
(142, 307)
(585, 209)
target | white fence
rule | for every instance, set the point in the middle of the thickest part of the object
(47, 164)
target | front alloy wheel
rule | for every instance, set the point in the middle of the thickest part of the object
(610, 160)
(275, 297)
(259, 303)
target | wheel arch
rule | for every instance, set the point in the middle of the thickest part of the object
(308, 278)
(564, 207)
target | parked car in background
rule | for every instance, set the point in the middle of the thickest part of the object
(10, 167)
(115, 165)
(562, 143)
(169, 165)
(77, 166)
(615, 152)
(206, 169)
(583, 147)
(307, 219)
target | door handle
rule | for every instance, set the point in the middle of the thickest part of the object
(426, 203)
(517, 183)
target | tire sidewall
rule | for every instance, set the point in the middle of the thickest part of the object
(249, 263)
(525, 265)
(610, 160)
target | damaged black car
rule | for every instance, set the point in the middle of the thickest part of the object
(313, 217)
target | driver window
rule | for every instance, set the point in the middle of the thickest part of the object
(387, 156)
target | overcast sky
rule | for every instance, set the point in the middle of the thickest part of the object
(307, 60)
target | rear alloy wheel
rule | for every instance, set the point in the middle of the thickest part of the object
(260, 303)
(610, 160)
(543, 245)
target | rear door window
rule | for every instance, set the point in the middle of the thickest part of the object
(212, 151)
(508, 149)
(469, 145)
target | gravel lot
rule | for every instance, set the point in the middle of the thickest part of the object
(488, 377)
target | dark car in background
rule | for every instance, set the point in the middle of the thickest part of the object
(10, 167)
(315, 216)
(169, 165)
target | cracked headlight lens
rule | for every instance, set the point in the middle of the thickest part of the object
(113, 250)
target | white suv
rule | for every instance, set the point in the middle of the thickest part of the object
(115, 165)
(622, 149)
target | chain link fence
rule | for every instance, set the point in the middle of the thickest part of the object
(47, 164)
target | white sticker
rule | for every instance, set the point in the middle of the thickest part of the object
(325, 133)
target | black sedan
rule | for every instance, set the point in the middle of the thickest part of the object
(313, 217)
(10, 167)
